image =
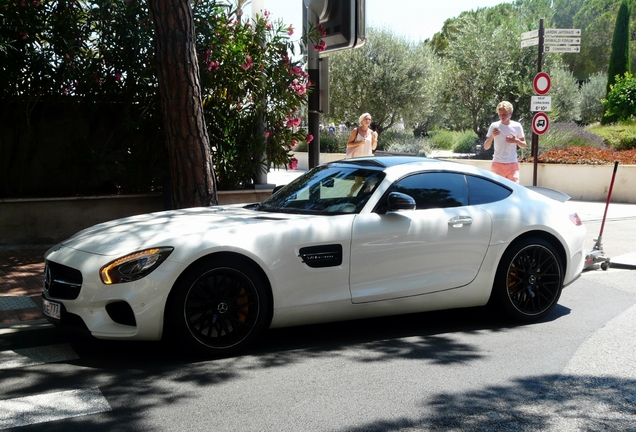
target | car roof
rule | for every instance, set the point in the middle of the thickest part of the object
(383, 162)
(397, 166)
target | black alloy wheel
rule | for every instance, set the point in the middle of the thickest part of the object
(529, 280)
(219, 307)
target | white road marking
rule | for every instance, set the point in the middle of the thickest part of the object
(35, 356)
(51, 406)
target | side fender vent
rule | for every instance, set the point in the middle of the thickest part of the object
(322, 256)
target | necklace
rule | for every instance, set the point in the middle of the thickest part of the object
(363, 133)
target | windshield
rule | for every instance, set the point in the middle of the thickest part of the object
(328, 189)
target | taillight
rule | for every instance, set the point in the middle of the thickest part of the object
(576, 220)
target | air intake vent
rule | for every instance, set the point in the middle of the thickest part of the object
(322, 256)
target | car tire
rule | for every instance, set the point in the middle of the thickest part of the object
(529, 280)
(218, 307)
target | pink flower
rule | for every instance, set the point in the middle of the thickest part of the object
(293, 163)
(321, 46)
(213, 65)
(238, 107)
(248, 63)
(322, 30)
(268, 26)
(294, 143)
(296, 70)
(298, 87)
(309, 138)
(266, 134)
(290, 30)
(295, 122)
(118, 77)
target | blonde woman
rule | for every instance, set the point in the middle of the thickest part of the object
(362, 140)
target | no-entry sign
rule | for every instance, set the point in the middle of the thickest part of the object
(541, 83)
(540, 123)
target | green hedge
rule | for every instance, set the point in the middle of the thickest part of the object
(618, 137)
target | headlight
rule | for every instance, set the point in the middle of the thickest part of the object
(134, 266)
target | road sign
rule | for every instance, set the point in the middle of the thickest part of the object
(540, 103)
(540, 123)
(562, 41)
(541, 83)
(562, 48)
(530, 34)
(562, 32)
(529, 42)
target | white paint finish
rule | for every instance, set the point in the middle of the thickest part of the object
(35, 356)
(51, 406)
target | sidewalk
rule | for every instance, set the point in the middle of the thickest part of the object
(21, 270)
(21, 267)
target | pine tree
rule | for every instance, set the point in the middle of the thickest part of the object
(619, 59)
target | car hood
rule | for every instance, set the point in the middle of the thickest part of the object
(164, 228)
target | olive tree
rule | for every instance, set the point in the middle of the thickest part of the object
(384, 77)
(592, 92)
(480, 60)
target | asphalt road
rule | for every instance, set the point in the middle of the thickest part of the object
(453, 370)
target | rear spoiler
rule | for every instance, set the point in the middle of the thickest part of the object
(550, 193)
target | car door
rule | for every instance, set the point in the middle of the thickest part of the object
(439, 246)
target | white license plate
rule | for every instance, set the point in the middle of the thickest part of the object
(51, 309)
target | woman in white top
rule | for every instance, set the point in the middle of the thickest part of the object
(362, 140)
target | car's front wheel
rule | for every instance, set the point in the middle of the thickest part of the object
(218, 307)
(529, 280)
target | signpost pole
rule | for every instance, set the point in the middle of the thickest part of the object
(534, 149)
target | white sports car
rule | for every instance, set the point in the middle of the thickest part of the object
(352, 239)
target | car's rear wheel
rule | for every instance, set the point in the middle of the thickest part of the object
(529, 280)
(218, 307)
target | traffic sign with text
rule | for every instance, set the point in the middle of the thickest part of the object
(530, 34)
(562, 32)
(529, 42)
(540, 103)
(562, 41)
(562, 48)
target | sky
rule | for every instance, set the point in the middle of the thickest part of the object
(415, 20)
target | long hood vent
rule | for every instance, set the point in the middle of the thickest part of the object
(322, 256)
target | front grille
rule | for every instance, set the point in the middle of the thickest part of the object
(61, 281)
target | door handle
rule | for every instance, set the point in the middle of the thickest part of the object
(460, 221)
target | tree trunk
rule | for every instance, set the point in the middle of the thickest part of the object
(193, 182)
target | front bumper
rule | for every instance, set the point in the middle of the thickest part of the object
(132, 310)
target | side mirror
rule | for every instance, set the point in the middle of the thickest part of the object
(399, 201)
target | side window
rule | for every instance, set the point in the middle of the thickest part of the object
(482, 191)
(434, 189)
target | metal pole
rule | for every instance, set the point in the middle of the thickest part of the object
(313, 112)
(260, 176)
(534, 151)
